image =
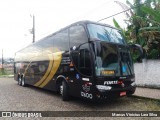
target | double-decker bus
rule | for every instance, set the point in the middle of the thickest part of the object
(86, 59)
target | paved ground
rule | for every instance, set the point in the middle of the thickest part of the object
(17, 98)
(148, 93)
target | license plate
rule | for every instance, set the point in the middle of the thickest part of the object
(123, 93)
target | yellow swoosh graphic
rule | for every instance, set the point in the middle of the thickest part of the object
(27, 68)
(47, 72)
(57, 57)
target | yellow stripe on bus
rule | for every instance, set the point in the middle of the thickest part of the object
(47, 72)
(25, 71)
(57, 60)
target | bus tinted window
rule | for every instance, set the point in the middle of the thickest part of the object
(105, 33)
(82, 59)
(44, 45)
(77, 36)
(85, 61)
(61, 40)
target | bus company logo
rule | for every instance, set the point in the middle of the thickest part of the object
(86, 88)
(110, 82)
(86, 95)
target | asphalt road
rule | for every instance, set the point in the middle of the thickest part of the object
(16, 98)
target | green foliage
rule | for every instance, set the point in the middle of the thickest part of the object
(143, 27)
(135, 56)
(149, 29)
(129, 3)
(116, 24)
(153, 54)
(154, 13)
(2, 71)
(119, 27)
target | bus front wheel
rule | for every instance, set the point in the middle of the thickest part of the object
(130, 93)
(64, 91)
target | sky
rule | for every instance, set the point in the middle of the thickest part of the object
(50, 15)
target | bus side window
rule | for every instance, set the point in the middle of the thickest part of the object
(85, 62)
(61, 41)
(77, 35)
(82, 59)
(75, 56)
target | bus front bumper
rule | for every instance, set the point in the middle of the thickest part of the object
(105, 92)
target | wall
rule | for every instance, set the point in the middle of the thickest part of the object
(148, 73)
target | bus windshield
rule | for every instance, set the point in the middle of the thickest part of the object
(105, 33)
(106, 60)
(112, 60)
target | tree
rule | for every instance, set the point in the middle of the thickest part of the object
(152, 32)
(141, 21)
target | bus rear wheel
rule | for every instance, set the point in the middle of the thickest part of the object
(23, 82)
(64, 91)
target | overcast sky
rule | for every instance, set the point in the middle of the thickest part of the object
(50, 16)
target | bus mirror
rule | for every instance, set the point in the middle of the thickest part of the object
(74, 48)
(137, 47)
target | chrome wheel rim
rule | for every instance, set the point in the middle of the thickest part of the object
(19, 81)
(61, 89)
(23, 82)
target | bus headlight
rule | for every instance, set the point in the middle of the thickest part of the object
(102, 87)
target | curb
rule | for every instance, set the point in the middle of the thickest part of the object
(149, 86)
(147, 98)
(7, 76)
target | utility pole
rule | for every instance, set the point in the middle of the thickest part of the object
(2, 63)
(33, 29)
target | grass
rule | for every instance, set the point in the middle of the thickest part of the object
(5, 73)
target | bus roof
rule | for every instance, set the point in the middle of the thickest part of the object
(84, 22)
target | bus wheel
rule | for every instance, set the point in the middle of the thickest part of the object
(130, 93)
(20, 80)
(64, 91)
(23, 82)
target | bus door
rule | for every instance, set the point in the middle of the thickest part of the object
(82, 83)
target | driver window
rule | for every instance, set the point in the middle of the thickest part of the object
(82, 60)
(85, 60)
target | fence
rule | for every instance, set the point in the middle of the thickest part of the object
(7, 69)
(148, 73)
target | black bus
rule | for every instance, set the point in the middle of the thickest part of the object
(86, 59)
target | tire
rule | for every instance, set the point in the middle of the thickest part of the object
(130, 93)
(64, 91)
(23, 82)
(19, 80)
